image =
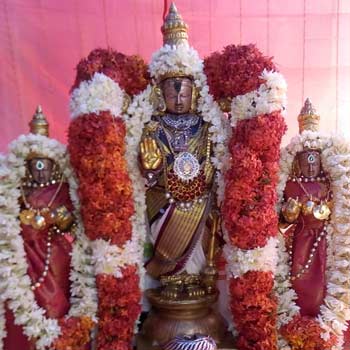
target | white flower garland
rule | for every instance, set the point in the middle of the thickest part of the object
(185, 59)
(103, 94)
(259, 259)
(100, 93)
(335, 311)
(269, 97)
(15, 283)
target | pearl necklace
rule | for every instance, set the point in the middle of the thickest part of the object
(306, 267)
(50, 233)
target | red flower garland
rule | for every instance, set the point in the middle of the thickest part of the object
(236, 70)
(248, 209)
(75, 333)
(96, 146)
(254, 306)
(118, 309)
(250, 220)
(130, 72)
(303, 333)
(97, 153)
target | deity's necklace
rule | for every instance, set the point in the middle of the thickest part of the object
(186, 181)
(39, 219)
(320, 212)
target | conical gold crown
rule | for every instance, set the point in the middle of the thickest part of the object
(308, 119)
(174, 28)
(39, 125)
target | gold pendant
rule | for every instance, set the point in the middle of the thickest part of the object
(38, 222)
(308, 207)
(26, 216)
(321, 211)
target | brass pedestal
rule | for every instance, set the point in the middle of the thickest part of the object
(169, 318)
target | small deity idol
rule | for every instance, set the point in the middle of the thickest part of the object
(38, 242)
(307, 206)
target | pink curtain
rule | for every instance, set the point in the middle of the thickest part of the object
(41, 41)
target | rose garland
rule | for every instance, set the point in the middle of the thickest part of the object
(110, 210)
(15, 283)
(258, 97)
(326, 331)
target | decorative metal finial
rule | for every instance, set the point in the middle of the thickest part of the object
(174, 28)
(39, 125)
(308, 118)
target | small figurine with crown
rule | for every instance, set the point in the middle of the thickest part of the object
(313, 282)
(37, 239)
(307, 206)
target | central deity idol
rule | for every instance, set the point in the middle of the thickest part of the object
(175, 158)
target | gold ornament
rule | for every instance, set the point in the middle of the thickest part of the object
(308, 207)
(39, 124)
(194, 99)
(174, 28)
(26, 216)
(38, 222)
(321, 211)
(157, 100)
(308, 119)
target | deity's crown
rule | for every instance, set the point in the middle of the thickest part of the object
(176, 58)
(308, 119)
(174, 28)
(39, 125)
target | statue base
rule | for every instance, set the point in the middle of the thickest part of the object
(169, 318)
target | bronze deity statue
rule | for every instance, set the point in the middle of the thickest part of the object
(175, 158)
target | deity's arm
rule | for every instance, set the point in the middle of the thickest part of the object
(290, 210)
(150, 157)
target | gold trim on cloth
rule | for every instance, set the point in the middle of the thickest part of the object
(181, 228)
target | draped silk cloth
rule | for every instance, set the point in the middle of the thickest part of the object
(311, 286)
(53, 294)
(177, 237)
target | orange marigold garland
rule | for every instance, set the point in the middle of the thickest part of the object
(96, 146)
(75, 333)
(304, 333)
(97, 153)
(242, 75)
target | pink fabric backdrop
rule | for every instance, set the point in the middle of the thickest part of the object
(41, 41)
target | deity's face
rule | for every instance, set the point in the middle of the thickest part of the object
(177, 95)
(309, 162)
(40, 169)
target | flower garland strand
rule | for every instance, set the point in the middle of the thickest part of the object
(15, 282)
(326, 331)
(257, 96)
(110, 193)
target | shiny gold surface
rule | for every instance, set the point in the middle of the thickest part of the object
(308, 119)
(151, 156)
(39, 125)
(170, 318)
(174, 28)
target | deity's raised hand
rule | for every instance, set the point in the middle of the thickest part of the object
(151, 156)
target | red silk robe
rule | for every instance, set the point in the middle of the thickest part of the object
(311, 286)
(53, 294)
